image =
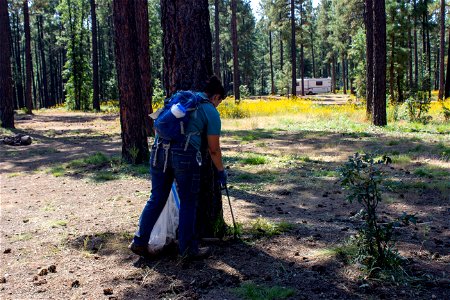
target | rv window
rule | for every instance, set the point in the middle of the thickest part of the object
(298, 83)
(319, 83)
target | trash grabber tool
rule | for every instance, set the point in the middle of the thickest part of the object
(231, 210)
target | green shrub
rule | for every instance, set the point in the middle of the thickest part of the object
(418, 106)
(363, 178)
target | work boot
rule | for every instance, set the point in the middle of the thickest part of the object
(201, 253)
(139, 250)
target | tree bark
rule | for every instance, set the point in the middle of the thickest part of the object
(293, 52)
(95, 76)
(410, 61)
(416, 51)
(141, 14)
(187, 53)
(45, 99)
(379, 59)
(6, 82)
(442, 52)
(132, 111)
(333, 74)
(447, 78)
(272, 82)
(19, 84)
(281, 47)
(234, 35)
(188, 65)
(391, 67)
(216, 39)
(369, 57)
(428, 51)
(312, 55)
(28, 60)
(302, 69)
(344, 82)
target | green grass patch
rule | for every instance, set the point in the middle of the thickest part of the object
(102, 176)
(401, 159)
(252, 291)
(325, 173)
(263, 227)
(431, 172)
(443, 150)
(45, 151)
(12, 175)
(254, 159)
(22, 237)
(417, 148)
(397, 186)
(95, 160)
(57, 223)
(57, 171)
(99, 168)
(345, 252)
(393, 143)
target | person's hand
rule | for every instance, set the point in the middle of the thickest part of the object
(223, 178)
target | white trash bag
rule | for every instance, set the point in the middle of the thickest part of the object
(165, 230)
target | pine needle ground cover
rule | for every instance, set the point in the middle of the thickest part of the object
(68, 201)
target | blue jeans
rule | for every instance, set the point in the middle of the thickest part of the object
(164, 168)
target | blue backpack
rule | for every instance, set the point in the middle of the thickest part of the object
(171, 121)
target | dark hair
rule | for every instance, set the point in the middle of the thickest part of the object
(214, 86)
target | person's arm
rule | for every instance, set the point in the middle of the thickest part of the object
(215, 151)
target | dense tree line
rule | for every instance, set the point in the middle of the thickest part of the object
(63, 51)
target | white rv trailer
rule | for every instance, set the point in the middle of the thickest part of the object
(314, 85)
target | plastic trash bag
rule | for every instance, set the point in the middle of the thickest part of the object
(165, 230)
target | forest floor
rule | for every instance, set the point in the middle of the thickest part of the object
(67, 218)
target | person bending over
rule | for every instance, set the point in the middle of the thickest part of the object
(181, 161)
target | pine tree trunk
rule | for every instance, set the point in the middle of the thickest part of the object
(302, 69)
(379, 59)
(39, 101)
(216, 39)
(134, 137)
(369, 57)
(141, 14)
(442, 51)
(344, 83)
(293, 52)
(188, 65)
(28, 61)
(428, 53)
(410, 61)
(333, 74)
(6, 82)
(436, 69)
(399, 88)
(272, 82)
(52, 80)
(43, 61)
(95, 77)
(281, 51)
(312, 55)
(234, 39)
(187, 54)
(19, 84)
(391, 68)
(447, 78)
(416, 51)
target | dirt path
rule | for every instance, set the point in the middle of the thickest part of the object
(80, 228)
